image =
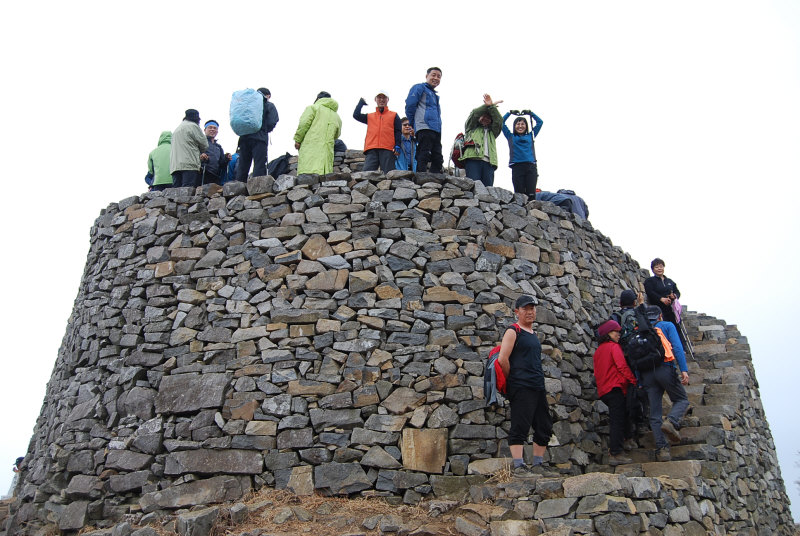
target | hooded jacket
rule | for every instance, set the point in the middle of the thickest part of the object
(158, 161)
(319, 127)
(188, 141)
(477, 137)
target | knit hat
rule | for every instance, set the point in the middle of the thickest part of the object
(628, 297)
(264, 91)
(607, 327)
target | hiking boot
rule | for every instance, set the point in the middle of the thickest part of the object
(630, 444)
(669, 430)
(663, 455)
(524, 471)
(619, 459)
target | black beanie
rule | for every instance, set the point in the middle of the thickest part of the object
(192, 115)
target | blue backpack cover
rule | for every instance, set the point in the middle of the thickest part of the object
(247, 110)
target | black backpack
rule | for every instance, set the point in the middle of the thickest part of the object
(279, 166)
(643, 349)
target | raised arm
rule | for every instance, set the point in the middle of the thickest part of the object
(357, 115)
(537, 123)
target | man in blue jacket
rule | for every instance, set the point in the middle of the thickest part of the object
(425, 115)
(253, 147)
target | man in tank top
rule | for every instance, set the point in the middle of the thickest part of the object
(521, 360)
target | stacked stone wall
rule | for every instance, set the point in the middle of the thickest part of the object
(329, 334)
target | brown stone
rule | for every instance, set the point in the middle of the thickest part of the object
(328, 281)
(245, 411)
(315, 247)
(164, 269)
(444, 295)
(424, 450)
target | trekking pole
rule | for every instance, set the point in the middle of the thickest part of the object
(688, 342)
(203, 180)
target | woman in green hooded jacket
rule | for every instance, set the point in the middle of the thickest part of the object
(319, 127)
(158, 162)
(480, 150)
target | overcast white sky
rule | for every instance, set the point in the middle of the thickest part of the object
(676, 122)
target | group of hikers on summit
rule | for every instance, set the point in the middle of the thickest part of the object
(634, 365)
(189, 156)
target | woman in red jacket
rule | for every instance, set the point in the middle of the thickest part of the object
(613, 377)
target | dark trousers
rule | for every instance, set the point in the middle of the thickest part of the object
(619, 430)
(479, 170)
(429, 151)
(524, 176)
(529, 409)
(160, 187)
(379, 157)
(656, 382)
(254, 151)
(185, 178)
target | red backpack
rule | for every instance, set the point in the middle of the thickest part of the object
(494, 353)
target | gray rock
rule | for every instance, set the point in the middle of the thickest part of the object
(340, 478)
(197, 523)
(182, 393)
(207, 461)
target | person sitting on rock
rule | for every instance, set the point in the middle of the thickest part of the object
(382, 143)
(521, 360)
(613, 378)
(480, 149)
(319, 127)
(664, 378)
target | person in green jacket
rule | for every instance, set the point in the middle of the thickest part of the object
(158, 162)
(483, 126)
(319, 127)
(188, 141)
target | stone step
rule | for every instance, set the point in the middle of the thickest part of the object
(686, 470)
(707, 410)
(726, 388)
(689, 435)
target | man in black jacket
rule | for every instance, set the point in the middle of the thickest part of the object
(214, 161)
(253, 147)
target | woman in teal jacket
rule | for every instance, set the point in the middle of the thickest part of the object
(480, 150)
(319, 127)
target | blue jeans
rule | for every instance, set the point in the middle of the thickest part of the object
(656, 382)
(479, 170)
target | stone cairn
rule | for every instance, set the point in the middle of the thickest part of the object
(328, 334)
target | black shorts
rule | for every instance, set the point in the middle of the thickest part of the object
(529, 409)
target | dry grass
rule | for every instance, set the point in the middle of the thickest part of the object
(503, 476)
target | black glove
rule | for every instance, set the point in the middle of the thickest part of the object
(514, 112)
(528, 112)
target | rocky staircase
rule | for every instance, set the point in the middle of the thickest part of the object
(718, 375)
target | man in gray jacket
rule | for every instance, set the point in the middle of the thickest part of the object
(188, 141)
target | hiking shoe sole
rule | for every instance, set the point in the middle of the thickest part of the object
(669, 430)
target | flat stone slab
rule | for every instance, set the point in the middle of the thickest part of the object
(231, 461)
(182, 393)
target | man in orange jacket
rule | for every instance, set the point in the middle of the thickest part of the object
(384, 128)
